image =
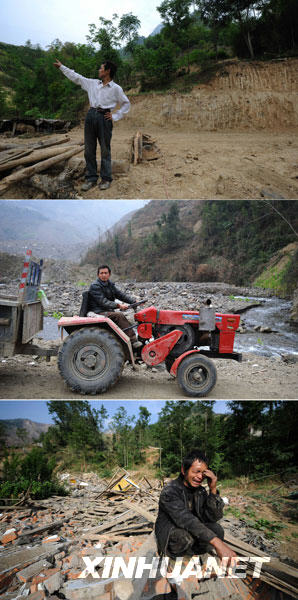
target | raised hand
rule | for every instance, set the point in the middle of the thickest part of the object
(211, 480)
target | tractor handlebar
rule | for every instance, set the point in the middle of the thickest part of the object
(134, 305)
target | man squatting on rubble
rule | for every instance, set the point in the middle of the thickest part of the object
(104, 95)
(101, 301)
(186, 521)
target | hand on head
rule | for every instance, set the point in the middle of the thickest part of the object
(211, 479)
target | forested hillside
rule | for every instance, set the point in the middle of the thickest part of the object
(263, 434)
(193, 37)
(203, 240)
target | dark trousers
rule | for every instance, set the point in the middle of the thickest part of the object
(181, 542)
(122, 322)
(98, 128)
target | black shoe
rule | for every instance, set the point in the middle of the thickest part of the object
(104, 185)
(88, 185)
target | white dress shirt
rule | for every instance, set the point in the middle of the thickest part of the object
(103, 96)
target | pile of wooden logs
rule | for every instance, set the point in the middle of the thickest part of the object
(143, 147)
(21, 163)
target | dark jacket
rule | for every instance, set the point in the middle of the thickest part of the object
(102, 296)
(175, 512)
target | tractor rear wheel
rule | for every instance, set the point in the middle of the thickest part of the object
(91, 360)
(196, 375)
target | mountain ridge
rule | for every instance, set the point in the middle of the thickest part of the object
(200, 240)
(31, 431)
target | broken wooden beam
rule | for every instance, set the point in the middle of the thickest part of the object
(139, 510)
(34, 156)
(37, 168)
(275, 573)
(49, 526)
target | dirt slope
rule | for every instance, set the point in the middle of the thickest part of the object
(242, 95)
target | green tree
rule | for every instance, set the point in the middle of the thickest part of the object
(172, 431)
(11, 467)
(175, 13)
(155, 67)
(106, 36)
(37, 465)
(244, 430)
(220, 12)
(128, 28)
(4, 109)
(170, 231)
(142, 426)
(205, 431)
(212, 15)
(121, 424)
(78, 426)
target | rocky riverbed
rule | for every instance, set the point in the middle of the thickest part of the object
(65, 297)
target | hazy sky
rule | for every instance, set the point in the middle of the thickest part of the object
(46, 20)
(37, 410)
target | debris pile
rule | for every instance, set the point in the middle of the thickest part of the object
(15, 126)
(43, 542)
(66, 548)
(32, 164)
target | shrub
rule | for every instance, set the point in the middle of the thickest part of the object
(38, 489)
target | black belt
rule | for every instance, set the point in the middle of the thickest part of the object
(101, 110)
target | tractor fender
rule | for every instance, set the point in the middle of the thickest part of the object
(70, 324)
(155, 352)
(178, 360)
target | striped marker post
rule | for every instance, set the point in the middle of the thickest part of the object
(24, 275)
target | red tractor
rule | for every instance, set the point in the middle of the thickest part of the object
(92, 357)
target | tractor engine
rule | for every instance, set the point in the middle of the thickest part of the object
(199, 328)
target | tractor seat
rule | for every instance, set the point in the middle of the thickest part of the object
(85, 304)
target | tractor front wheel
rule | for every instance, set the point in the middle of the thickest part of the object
(91, 360)
(196, 375)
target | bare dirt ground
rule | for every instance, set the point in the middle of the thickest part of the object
(205, 165)
(234, 136)
(257, 377)
(208, 165)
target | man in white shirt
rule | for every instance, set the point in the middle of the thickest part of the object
(104, 95)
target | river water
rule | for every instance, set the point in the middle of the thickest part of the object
(273, 312)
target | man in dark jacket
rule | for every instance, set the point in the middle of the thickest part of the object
(186, 522)
(102, 301)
